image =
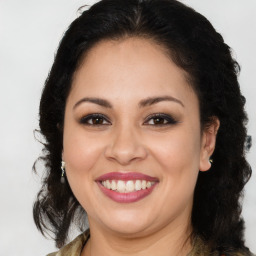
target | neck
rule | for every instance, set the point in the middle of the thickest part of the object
(170, 240)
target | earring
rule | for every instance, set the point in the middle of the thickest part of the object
(211, 161)
(62, 179)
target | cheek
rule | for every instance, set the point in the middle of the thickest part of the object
(180, 150)
(179, 159)
(80, 153)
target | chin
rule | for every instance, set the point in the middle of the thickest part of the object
(130, 231)
(127, 224)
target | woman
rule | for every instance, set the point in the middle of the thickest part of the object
(144, 128)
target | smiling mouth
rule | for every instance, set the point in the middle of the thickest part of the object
(126, 187)
(129, 186)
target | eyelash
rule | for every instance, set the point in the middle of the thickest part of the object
(168, 120)
(84, 120)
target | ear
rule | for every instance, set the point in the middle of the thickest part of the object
(208, 142)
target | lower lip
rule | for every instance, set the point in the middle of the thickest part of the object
(126, 197)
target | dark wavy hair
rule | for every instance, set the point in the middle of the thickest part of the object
(193, 44)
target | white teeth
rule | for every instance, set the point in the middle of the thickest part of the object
(143, 184)
(127, 186)
(108, 184)
(149, 184)
(137, 185)
(113, 185)
(120, 186)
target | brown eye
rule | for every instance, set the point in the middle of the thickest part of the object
(95, 119)
(160, 119)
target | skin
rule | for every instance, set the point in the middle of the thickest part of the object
(124, 73)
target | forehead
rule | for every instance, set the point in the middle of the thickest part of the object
(132, 66)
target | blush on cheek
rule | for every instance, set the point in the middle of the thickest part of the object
(81, 156)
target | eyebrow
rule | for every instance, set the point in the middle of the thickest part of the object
(98, 101)
(143, 103)
(153, 100)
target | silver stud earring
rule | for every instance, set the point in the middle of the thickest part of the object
(62, 179)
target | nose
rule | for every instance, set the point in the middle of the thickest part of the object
(125, 146)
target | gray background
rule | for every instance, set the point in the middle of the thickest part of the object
(29, 34)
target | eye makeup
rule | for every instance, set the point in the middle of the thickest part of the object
(94, 119)
(160, 119)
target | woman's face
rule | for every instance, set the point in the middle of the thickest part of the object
(132, 140)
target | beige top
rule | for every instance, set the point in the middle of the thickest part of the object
(75, 247)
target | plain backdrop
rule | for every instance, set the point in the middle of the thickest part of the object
(30, 31)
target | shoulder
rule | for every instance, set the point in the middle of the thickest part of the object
(75, 247)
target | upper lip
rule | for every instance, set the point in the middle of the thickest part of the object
(125, 176)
